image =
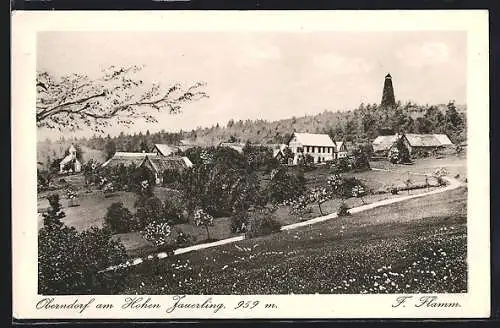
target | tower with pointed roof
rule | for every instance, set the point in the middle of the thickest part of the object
(388, 100)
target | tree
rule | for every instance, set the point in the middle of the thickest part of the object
(68, 261)
(119, 219)
(110, 149)
(52, 219)
(284, 186)
(150, 210)
(202, 218)
(399, 153)
(117, 97)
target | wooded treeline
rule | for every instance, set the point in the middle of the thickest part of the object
(362, 124)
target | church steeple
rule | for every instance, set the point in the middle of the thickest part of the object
(388, 100)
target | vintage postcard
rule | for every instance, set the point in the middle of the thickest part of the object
(276, 164)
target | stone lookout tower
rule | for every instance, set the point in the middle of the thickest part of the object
(388, 100)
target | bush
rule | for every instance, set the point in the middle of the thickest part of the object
(184, 239)
(394, 190)
(173, 212)
(202, 218)
(119, 219)
(284, 186)
(340, 166)
(239, 222)
(157, 233)
(343, 210)
(262, 223)
(151, 210)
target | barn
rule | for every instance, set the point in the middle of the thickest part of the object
(164, 149)
(126, 158)
(161, 166)
(416, 143)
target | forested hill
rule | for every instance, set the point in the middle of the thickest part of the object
(359, 125)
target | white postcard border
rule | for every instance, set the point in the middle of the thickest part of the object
(25, 25)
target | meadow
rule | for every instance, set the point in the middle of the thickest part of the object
(418, 246)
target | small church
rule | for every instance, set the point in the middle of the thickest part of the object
(70, 163)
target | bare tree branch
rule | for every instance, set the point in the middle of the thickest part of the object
(75, 101)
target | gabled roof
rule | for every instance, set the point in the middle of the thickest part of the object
(160, 163)
(313, 139)
(126, 158)
(165, 149)
(428, 140)
(238, 146)
(383, 142)
(339, 145)
(415, 140)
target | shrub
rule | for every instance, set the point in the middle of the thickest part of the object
(202, 218)
(151, 210)
(157, 233)
(262, 223)
(184, 239)
(284, 186)
(173, 212)
(343, 210)
(239, 222)
(394, 190)
(119, 219)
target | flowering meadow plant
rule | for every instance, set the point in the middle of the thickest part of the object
(157, 233)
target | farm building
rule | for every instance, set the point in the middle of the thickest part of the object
(320, 146)
(238, 146)
(185, 144)
(416, 143)
(158, 165)
(340, 149)
(126, 159)
(164, 149)
(70, 163)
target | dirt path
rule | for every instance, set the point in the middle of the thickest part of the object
(452, 184)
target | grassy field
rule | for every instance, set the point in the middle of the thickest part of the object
(455, 165)
(418, 246)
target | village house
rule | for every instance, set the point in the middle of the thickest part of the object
(70, 163)
(415, 143)
(238, 146)
(127, 159)
(164, 149)
(320, 146)
(159, 165)
(341, 149)
(156, 164)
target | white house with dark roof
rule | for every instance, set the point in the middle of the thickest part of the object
(320, 146)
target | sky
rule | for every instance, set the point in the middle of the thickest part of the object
(267, 75)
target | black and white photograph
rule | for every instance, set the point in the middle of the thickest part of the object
(253, 162)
